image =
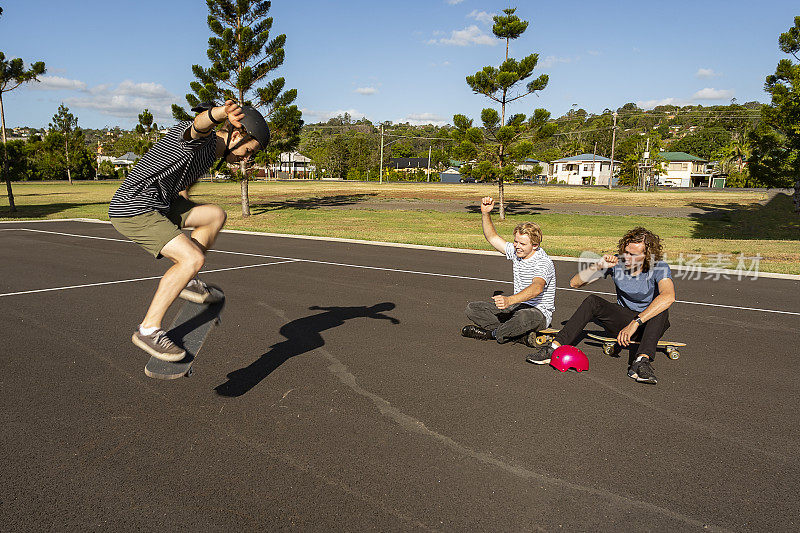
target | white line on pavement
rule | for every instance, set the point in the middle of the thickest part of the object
(134, 279)
(401, 271)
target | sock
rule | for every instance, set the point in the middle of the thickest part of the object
(554, 345)
(146, 331)
(642, 357)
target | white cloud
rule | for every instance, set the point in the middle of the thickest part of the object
(57, 83)
(713, 94)
(593, 52)
(313, 115)
(650, 104)
(454, 2)
(467, 36)
(366, 90)
(481, 16)
(127, 100)
(550, 61)
(422, 119)
(706, 73)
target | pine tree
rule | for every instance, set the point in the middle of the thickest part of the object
(12, 75)
(501, 143)
(775, 158)
(65, 123)
(242, 59)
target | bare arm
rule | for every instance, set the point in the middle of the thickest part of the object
(662, 302)
(499, 243)
(665, 298)
(528, 293)
(593, 272)
(203, 125)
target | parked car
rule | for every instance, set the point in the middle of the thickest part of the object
(467, 179)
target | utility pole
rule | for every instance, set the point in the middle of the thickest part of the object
(594, 156)
(646, 173)
(380, 176)
(613, 140)
(429, 164)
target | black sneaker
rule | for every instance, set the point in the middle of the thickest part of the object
(642, 371)
(197, 291)
(474, 332)
(541, 356)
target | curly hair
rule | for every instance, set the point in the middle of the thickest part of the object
(532, 230)
(652, 245)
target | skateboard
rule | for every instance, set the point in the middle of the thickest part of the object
(610, 345)
(189, 330)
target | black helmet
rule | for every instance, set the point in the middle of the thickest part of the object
(256, 126)
(253, 122)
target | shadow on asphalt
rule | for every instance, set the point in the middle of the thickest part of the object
(514, 207)
(302, 335)
(315, 202)
(773, 220)
(43, 210)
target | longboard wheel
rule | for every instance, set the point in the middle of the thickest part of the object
(541, 340)
(608, 348)
(672, 353)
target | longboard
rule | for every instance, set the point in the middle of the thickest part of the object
(189, 330)
(610, 345)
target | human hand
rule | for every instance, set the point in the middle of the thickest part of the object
(487, 204)
(608, 261)
(624, 336)
(234, 113)
(500, 301)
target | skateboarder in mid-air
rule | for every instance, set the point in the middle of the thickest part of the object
(152, 206)
(645, 292)
(531, 307)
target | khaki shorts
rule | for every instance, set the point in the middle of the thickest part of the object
(152, 230)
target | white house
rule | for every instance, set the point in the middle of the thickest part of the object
(684, 170)
(293, 165)
(528, 164)
(583, 169)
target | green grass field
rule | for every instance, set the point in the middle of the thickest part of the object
(749, 223)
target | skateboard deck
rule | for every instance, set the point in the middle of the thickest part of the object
(610, 345)
(189, 330)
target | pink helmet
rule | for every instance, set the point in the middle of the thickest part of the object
(566, 357)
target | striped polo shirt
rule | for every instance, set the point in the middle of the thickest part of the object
(170, 166)
(539, 265)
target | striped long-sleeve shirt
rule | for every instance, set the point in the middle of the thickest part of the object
(170, 166)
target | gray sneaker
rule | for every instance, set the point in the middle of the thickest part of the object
(197, 291)
(158, 345)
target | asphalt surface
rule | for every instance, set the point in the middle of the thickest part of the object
(339, 397)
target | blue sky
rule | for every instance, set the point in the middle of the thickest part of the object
(400, 60)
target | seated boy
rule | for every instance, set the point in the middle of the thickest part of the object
(644, 293)
(531, 307)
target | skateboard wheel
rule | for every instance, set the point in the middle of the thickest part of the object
(541, 340)
(608, 349)
(673, 354)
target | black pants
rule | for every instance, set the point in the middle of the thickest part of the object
(509, 323)
(614, 318)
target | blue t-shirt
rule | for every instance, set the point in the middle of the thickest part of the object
(637, 292)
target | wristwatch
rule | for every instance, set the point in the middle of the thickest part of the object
(638, 320)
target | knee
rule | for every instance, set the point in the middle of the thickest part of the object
(219, 216)
(194, 260)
